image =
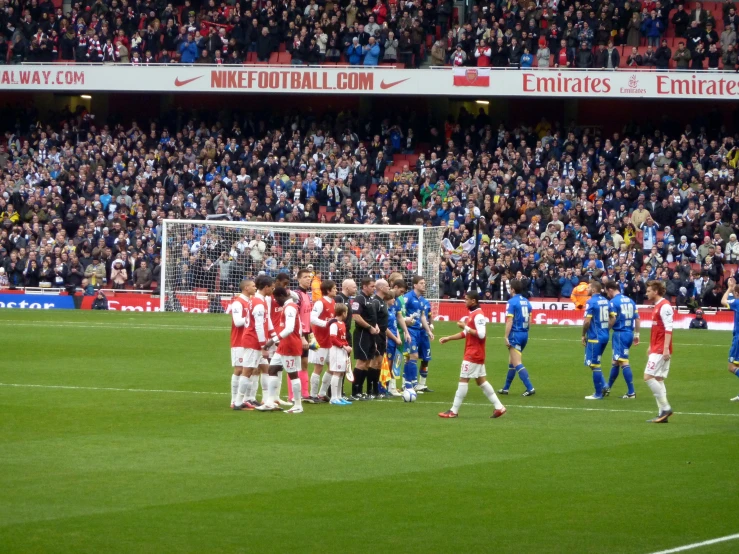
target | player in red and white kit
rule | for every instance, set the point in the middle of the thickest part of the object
(473, 363)
(320, 315)
(289, 349)
(256, 333)
(339, 362)
(660, 349)
(305, 306)
(239, 315)
(274, 311)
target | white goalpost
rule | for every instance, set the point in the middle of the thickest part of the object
(204, 261)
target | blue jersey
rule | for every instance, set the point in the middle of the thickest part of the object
(733, 304)
(596, 309)
(624, 310)
(414, 309)
(392, 318)
(519, 309)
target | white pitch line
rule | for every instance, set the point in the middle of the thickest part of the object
(123, 325)
(168, 391)
(699, 544)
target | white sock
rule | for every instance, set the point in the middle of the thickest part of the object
(421, 380)
(325, 382)
(663, 397)
(297, 392)
(243, 384)
(279, 385)
(459, 397)
(234, 388)
(335, 384)
(264, 379)
(487, 388)
(253, 387)
(273, 382)
(315, 381)
(660, 394)
(391, 386)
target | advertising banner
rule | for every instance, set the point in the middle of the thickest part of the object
(384, 80)
(35, 301)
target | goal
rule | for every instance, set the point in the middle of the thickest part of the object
(204, 261)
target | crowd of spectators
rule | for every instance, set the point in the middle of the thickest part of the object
(598, 34)
(82, 203)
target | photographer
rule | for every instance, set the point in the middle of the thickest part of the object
(100, 302)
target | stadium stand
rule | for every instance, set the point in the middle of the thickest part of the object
(497, 34)
(556, 205)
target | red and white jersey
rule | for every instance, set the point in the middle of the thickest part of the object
(337, 334)
(322, 312)
(305, 305)
(255, 331)
(661, 324)
(274, 311)
(239, 317)
(474, 343)
(289, 331)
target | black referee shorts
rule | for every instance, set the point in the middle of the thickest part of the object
(364, 345)
(380, 343)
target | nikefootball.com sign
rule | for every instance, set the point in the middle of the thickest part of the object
(385, 80)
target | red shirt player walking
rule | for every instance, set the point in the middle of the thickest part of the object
(473, 364)
(660, 349)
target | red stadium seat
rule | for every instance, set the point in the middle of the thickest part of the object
(412, 160)
(274, 57)
(284, 58)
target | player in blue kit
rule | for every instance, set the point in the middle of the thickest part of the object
(731, 301)
(424, 348)
(414, 310)
(518, 315)
(624, 320)
(595, 336)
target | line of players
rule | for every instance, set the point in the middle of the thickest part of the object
(617, 313)
(272, 328)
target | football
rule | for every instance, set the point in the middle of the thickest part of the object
(409, 395)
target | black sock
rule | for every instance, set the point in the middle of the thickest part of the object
(374, 381)
(360, 375)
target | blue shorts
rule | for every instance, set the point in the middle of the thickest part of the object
(621, 342)
(734, 352)
(594, 352)
(413, 347)
(518, 340)
(424, 347)
(390, 351)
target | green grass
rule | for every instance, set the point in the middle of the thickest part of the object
(161, 469)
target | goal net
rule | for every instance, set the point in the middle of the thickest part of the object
(204, 261)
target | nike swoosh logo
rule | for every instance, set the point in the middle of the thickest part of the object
(179, 83)
(384, 85)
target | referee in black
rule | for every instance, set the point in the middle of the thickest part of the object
(348, 291)
(365, 344)
(382, 289)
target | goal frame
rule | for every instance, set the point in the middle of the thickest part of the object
(297, 226)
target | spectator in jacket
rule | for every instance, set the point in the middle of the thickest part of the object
(567, 282)
(438, 52)
(391, 50)
(648, 58)
(95, 273)
(584, 56)
(634, 59)
(482, 54)
(728, 38)
(729, 58)
(698, 322)
(527, 60)
(372, 52)
(633, 35)
(562, 57)
(354, 52)
(188, 51)
(681, 21)
(264, 46)
(100, 302)
(543, 53)
(142, 277)
(608, 58)
(662, 56)
(652, 28)
(682, 56)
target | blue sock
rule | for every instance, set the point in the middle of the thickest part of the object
(523, 374)
(614, 375)
(598, 381)
(603, 380)
(410, 374)
(629, 378)
(510, 376)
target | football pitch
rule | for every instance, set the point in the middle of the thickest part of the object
(116, 436)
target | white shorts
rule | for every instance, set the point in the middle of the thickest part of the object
(252, 358)
(319, 356)
(237, 356)
(657, 366)
(338, 359)
(472, 370)
(291, 364)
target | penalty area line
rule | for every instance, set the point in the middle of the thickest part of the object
(699, 544)
(534, 407)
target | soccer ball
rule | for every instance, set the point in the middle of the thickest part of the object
(409, 395)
